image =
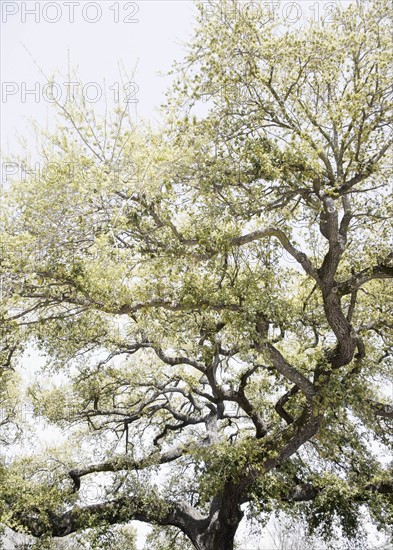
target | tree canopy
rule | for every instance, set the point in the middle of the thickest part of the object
(214, 295)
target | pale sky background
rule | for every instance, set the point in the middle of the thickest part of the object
(95, 36)
(43, 36)
(30, 42)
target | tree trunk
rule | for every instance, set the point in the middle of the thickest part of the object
(219, 537)
(218, 532)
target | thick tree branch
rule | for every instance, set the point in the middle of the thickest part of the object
(178, 360)
(382, 409)
(299, 256)
(127, 464)
(279, 406)
(304, 492)
(381, 271)
(288, 371)
(368, 168)
(153, 510)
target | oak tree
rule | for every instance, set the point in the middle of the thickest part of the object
(214, 295)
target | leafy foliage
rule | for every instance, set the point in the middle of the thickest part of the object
(214, 296)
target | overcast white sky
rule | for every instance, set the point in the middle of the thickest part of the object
(95, 37)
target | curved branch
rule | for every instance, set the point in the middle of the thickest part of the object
(304, 492)
(125, 463)
(382, 409)
(289, 372)
(178, 360)
(279, 406)
(381, 271)
(299, 256)
(122, 510)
